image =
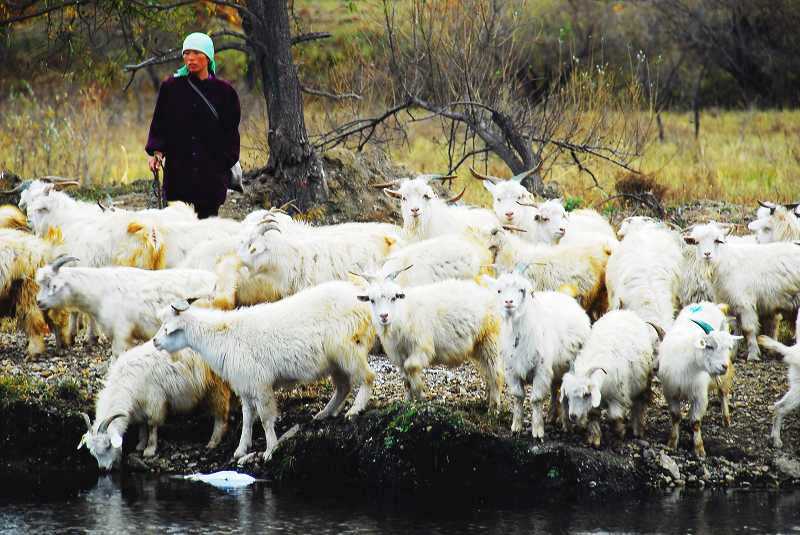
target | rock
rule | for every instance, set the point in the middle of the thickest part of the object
(788, 466)
(669, 465)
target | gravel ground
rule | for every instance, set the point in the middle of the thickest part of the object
(740, 455)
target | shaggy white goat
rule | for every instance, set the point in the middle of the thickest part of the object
(791, 400)
(21, 254)
(447, 322)
(510, 200)
(578, 268)
(124, 301)
(695, 357)
(552, 224)
(319, 332)
(145, 385)
(643, 273)
(614, 369)
(450, 256)
(425, 215)
(543, 333)
(755, 280)
(290, 263)
(776, 222)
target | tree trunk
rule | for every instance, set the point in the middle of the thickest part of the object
(293, 162)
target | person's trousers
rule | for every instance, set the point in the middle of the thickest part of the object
(206, 210)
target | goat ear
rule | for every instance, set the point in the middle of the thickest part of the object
(364, 298)
(116, 440)
(689, 240)
(595, 391)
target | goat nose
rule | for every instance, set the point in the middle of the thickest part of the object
(384, 316)
(509, 214)
(707, 253)
(415, 210)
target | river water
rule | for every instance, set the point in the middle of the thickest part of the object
(162, 504)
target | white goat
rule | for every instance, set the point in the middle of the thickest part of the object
(614, 369)
(143, 386)
(285, 265)
(21, 254)
(579, 268)
(510, 200)
(695, 357)
(448, 323)
(322, 331)
(450, 256)
(425, 215)
(543, 333)
(755, 280)
(124, 301)
(643, 273)
(791, 400)
(776, 222)
(552, 224)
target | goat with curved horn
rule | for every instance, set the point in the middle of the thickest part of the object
(61, 260)
(489, 178)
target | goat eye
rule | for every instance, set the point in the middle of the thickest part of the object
(545, 219)
(404, 198)
(718, 241)
(426, 197)
(498, 291)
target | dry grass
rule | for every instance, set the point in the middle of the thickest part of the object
(741, 156)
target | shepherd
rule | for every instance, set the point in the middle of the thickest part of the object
(194, 134)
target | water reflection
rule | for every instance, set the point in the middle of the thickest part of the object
(134, 503)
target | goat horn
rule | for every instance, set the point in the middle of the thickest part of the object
(659, 331)
(703, 325)
(22, 186)
(393, 275)
(103, 427)
(87, 420)
(393, 193)
(368, 278)
(479, 176)
(61, 260)
(270, 225)
(181, 306)
(532, 205)
(65, 183)
(514, 229)
(791, 205)
(593, 369)
(457, 197)
(769, 205)
(386, 184)
(520, 177)
(521, 268)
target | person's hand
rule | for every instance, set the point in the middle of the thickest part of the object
(156, 161)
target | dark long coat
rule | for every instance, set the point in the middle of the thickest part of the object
(199, 149)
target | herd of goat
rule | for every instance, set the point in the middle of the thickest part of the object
(535, 297)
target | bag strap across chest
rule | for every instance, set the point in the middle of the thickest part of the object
(208, 102)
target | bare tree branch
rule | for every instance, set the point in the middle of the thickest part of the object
(306, 37)
(328, 94)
